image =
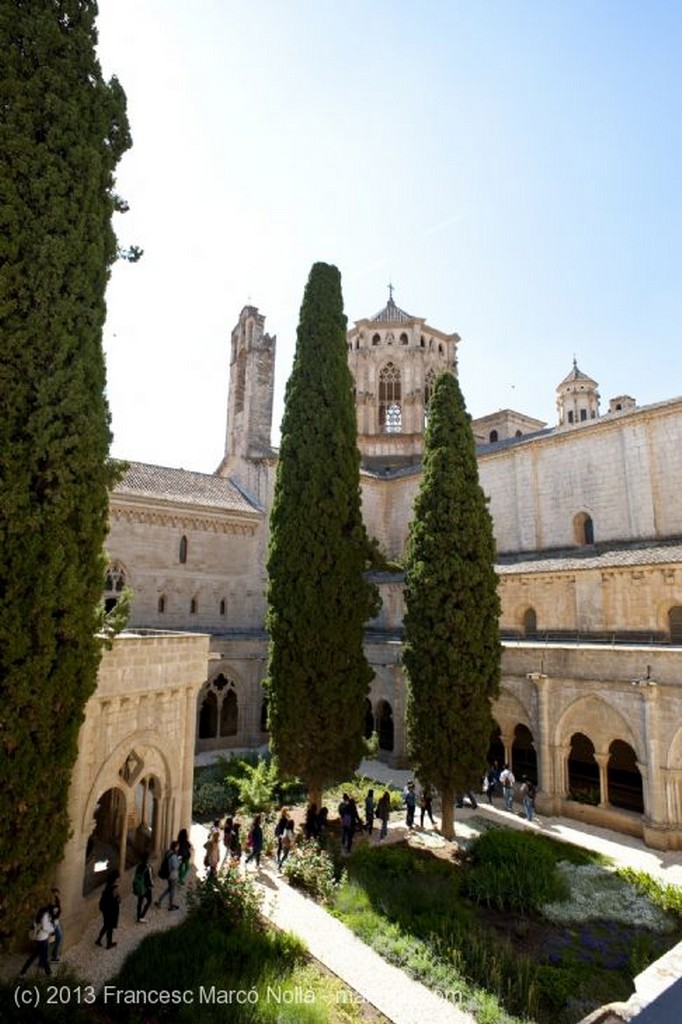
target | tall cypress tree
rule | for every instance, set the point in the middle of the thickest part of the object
(451, 649)
(62, 132)
(318, 677)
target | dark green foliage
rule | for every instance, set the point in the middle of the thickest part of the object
(513, 871)
(319, 601)
(451, 651)
(63, 130)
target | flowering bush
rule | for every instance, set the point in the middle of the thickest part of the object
(230, 897)
(596, 893)
(311, 869)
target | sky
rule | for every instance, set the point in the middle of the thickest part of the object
(511, 167)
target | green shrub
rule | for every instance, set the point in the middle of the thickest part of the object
(513, 871)
(311, 869)
(210, 800)
(667, 897)
(230, 897)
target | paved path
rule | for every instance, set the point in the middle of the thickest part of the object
(401, 999)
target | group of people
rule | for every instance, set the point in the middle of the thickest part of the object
(351, 822)
(231, 833)
(506, 780)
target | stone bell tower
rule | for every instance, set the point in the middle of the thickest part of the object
(395, 359)
(252, 378)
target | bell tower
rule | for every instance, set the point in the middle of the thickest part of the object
(252, 377)
(577, 398)
(395, 358)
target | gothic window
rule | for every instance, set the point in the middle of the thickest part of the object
(161, 604)
(624, 781)
(182, 553)
(493, 436)
(114, 582)
(219, 709)
(376, 339)
(675, 624)
(422, 342)
(403, 339)
(390, 408)
(583, 529)
(440, 350)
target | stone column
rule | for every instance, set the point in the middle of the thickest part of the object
(602, 760)
(543, 743)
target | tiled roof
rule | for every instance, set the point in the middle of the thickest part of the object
(577, 374)
(183, 486)
(622, 557)
(391, 314)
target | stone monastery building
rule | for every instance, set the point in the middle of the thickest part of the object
(588, 523)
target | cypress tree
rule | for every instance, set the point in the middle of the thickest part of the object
(451, 649)
(318, 677)
(62, 132)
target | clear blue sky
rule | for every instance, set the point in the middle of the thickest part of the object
(512, 167)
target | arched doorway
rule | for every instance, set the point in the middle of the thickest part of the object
(524, 759)
(143, 825)
(384, 725)
(496, 748)
(583, 771)
(103, 849)
(624, 779)
(208, 717)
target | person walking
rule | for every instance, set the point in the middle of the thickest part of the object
(528, 796)
(235, 845)
(508, 782)
(109, 905)
(212, 857)
(56, 915)
(172, 866)
(384, 813)
(43, 929)
(280, 831)
(143, 883)
(255, 842)
(369, 811)
(410, 799)
(185, 851)
(426, 807)
(346, 819)
(492, 779)
(287, 843)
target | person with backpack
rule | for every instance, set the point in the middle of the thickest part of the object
(384, 813)
(410, 801)
(170, 870)
(280, 829)
(235, 845)
(287, 843)
(528, 797)
(143, 883)
(41, 930)
(185, 851)
(109, 905)
(346, 819)
(56, 914)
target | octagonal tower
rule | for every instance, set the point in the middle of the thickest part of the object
(394, 359)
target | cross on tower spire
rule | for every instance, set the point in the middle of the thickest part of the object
(390, 292)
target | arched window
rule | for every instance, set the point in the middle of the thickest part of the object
(623, 778)
(114, 582)
(524, 760)
(193, 606)
(583, 529)
(493, 436)
(404, 340)
(675, 624)
(182, 553)
(229, 713)
(390, 409)
(583, 771)
(376, 339)
(223, 608)
(208, 716)
(518, 434)
(530, 622)
(161, 604)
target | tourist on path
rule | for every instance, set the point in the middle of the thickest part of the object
(369, 811)
(109, 905)
(384, 813)
(255, 842)
(185, 851)
(43, 929)
(528, 797)
(143, 883)
(172, 861)
(492, 779)
(212, 857)
(280, 829)
(426, 807)
(508, 782)
(410, 800)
